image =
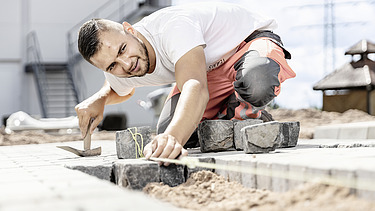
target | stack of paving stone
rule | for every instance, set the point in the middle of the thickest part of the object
(252, 136)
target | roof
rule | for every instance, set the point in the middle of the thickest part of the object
(361, 47)
(357, 74)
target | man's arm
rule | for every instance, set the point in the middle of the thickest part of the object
(93, 107)
(191, 80)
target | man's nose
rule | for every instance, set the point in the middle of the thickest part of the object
(125, 62)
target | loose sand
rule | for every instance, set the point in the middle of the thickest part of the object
(205, 190)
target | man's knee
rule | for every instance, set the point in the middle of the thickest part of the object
(256, 78)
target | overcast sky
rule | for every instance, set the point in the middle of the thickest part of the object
(301, 29)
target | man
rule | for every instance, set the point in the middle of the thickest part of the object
(225, 60)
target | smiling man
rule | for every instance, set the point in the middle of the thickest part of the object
(225, 60)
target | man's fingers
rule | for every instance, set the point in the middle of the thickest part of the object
(149, 149)
(95, 123)
(169, 148)
(176, 151)
(164, 146)
(184, 153)
(83, 123)
(161, 142)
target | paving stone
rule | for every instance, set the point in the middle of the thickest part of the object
(355, 131)
(289, 134)
(280, 183)
(365, 184)
(346, 176)
(135, 173)
(249, 180)
(296, 175)
(230, 175)
(189, 171)
(172, 175)
(263, 181)
(237, 126)
(317, 173)
(126, 146)
(215, 135)
(104, 172)
(261, 138)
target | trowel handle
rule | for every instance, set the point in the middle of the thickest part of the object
(87, 139)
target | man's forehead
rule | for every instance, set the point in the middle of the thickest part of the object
(108, 47)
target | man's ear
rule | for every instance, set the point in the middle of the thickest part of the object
(129, 28)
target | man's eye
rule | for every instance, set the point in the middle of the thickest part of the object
(123, 48)
(111, 67)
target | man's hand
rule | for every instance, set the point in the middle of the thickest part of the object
(164, 146)
(91, 108)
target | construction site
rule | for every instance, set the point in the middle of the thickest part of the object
(315, 157)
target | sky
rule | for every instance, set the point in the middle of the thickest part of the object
(300, 25)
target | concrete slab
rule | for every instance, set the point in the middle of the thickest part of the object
(358, 130)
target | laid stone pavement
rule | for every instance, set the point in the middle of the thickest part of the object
(33, 177)
(41, 177)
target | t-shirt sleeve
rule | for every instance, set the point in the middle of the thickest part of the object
(181, 34)
(119, 87)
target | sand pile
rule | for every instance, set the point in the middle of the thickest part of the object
(205, 190)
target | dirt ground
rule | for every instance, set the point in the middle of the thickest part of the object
(205, 190)
(310, 118)
(42, 137)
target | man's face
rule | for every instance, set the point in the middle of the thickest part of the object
(121, 54)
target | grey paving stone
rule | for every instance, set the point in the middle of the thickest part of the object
(297, 174)
(189, 171)
(215, 135)
(289, 132)
(135, 174)
(347, 176)
(279, 183)
(249, 180)
(365, 184)
(104, 172)
(237, 135)
(230, 175)
(172, 175)
(263, 181)
(126, 146)
(261, 138)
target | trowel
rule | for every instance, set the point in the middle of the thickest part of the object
(86, 146)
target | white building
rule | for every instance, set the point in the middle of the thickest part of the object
(52, 22)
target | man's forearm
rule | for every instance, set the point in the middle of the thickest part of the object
(110, 96)
(189, 111)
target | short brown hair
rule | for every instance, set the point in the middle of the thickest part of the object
(88, 37)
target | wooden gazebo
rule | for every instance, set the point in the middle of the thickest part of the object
(351, 86)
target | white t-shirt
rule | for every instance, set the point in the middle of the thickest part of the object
(173, 31)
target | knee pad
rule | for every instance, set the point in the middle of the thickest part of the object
(256, 78)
